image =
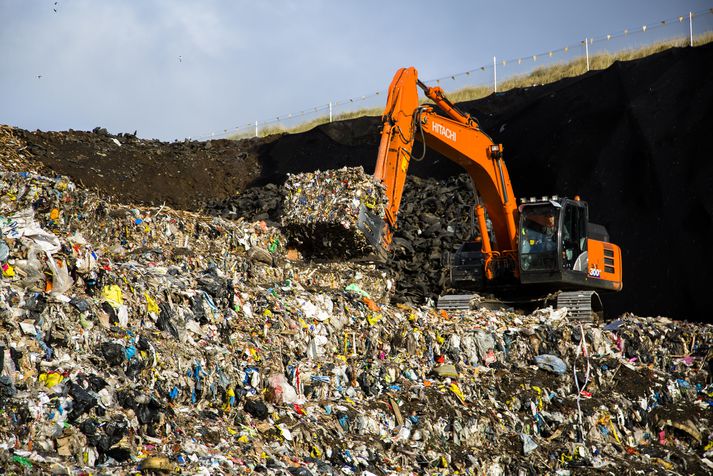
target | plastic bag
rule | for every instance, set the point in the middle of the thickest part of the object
(113, 295)
(30, 268)
(61, 281)
(551, 363)
(284, 392)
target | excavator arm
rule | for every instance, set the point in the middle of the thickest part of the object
(457, 136)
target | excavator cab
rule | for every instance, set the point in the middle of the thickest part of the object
(553, 237)
(553, 249)
(552, 246)
(558, 246)
(539, 236)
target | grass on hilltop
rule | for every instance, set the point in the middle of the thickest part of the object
(539, 76)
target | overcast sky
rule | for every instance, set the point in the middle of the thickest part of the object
(173, 69)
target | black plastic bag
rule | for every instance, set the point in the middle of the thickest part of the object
(256, 408)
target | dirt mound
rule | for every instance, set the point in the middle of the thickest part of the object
(631, 140)
(185, 174)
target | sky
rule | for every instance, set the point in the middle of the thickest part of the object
(174, 69)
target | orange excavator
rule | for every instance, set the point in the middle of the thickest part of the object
(540, 247)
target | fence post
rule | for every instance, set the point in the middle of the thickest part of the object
(256, 129)
(495, 76)
(330, 111)
(586, 51)
(690, 26)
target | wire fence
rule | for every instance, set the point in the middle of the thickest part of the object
(595, 52)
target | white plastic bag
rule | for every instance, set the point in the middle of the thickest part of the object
(61, 281)
(284, 392)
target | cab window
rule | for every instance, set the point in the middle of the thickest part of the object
(574, 238)
(538, 240)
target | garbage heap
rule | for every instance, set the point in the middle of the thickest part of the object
(320, 210)
(154, 340)
(436, 217)
(14, 153)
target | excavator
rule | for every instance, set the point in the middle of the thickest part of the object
(540, 249)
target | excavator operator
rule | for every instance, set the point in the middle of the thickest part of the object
(550, 230)
(538, 246)
(540, 233)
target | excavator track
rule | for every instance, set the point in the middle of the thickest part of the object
(464, 302)
(584, 306)
(581, 305)
(455, 302)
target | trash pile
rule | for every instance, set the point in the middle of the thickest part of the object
(321, 210)
(254, 204)
(436, 217)
(14, 151)
(154, 340)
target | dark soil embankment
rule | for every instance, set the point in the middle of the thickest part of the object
(632, 140)
(184, 175)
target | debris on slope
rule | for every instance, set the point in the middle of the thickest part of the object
(13, 151)
(153, 340)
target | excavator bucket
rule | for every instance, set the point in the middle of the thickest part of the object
(372, 226)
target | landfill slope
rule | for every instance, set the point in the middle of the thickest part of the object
(154, 340)
(630, 140)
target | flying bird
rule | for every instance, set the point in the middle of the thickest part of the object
(180, 59)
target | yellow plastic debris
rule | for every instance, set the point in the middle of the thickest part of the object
(373, 318)
(113, 295)
(8, 271)
(50, 380)
(151, 305)
(457, 391)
